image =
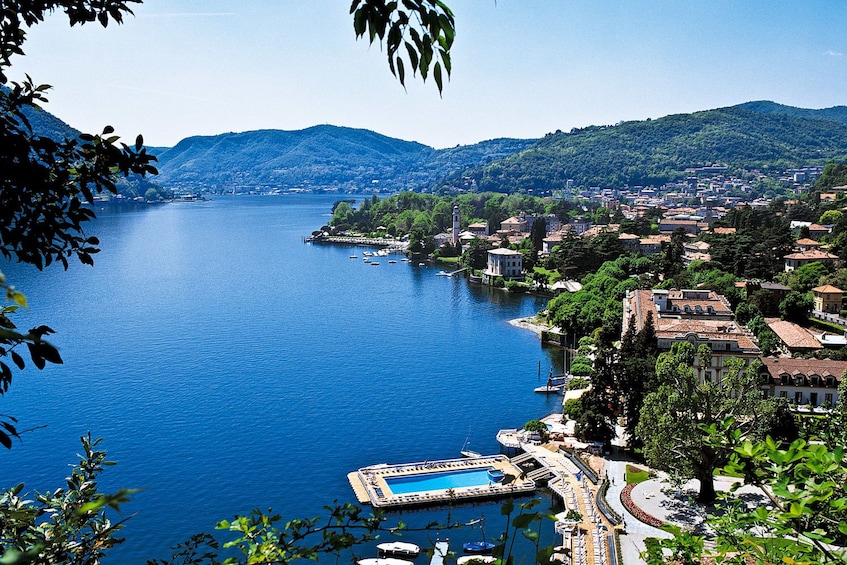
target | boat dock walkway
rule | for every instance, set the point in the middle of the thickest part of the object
(440, 552)
(588, 539)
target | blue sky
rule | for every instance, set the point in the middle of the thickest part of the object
(522, 68)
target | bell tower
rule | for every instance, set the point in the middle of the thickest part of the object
(456, 224)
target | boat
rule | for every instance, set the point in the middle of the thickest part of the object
(384, 561)
(470, 559)
(550, 389)
(392, 261)
(354, 256)
(442, 274)
(469, 453)
(374, 262)
(399, 548)
(478, 547)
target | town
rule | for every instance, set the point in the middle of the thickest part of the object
(685, 344)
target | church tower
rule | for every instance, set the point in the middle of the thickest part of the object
(456, 224)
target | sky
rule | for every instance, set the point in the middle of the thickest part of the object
(521, 68)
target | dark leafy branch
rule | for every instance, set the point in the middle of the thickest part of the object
(419, 32)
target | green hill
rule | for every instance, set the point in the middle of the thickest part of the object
(319, 157)
(836, 113)
(652, 152)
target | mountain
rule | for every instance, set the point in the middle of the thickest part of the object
(652, 152)
(836, 113)
(319, 157)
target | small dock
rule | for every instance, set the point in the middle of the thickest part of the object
(440, 552)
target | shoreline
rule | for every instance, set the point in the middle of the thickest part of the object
(529, 324)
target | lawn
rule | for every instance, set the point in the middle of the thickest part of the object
(636, 475)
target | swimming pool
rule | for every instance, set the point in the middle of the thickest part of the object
(441, 480)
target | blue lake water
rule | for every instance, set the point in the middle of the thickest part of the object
(230, 366)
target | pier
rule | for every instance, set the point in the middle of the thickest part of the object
(589, 539)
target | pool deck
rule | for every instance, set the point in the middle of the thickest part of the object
(370, 486)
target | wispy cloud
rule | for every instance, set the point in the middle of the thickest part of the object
(832, 53)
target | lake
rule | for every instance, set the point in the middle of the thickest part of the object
(228, 366)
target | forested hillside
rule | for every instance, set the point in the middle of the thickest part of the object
(328, 157)
(836, 113)
(656, 151)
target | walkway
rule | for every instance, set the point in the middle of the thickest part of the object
(589, 541)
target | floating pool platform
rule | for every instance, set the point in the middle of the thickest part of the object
(438, 482)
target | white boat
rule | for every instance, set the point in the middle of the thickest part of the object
(374, 262)
(354, 256)
(383, 561)
(402, 548)
(550, 389)
(469, 453)
(470, 559)
(392, 261)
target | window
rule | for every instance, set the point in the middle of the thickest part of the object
(813, 398)
(783, 394)
(827, 399)
(798, 397)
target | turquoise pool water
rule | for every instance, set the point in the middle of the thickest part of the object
(439, 481)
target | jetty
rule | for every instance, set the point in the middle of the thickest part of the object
(440, 552)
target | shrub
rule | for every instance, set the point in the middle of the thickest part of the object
(577, 383)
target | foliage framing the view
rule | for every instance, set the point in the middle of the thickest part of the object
(419, 32)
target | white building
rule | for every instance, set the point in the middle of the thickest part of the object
(503, 262)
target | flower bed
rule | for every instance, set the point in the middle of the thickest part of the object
(632, 508)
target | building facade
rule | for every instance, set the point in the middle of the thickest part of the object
(503, 262)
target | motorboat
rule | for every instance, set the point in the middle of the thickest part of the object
(354, 256)
(384, 561)
(399, 548)
(392, 261)
(478, 547)
(471, 559)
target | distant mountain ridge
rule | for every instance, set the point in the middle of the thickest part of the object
(755, 135)
(322, 156)
(652, 152)
(835, 113)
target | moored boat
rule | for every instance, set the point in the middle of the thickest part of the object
(478, 547)
(383, 561)
(471, 559)
(402, 548)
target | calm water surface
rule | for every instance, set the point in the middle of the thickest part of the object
(230, 366)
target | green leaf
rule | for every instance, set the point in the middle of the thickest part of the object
(436, 73)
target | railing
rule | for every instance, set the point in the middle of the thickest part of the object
(586, 471)
(604, 507)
